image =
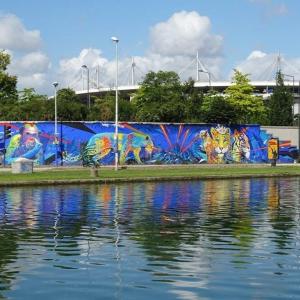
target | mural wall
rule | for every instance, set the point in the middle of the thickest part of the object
(93, 143)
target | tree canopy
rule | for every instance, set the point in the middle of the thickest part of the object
(217, 109)
(162, 97)
(8, 83)
(248, 107)
(281, 104)
(69, 106)
(159, 98)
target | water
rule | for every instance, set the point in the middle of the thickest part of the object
(234, 239)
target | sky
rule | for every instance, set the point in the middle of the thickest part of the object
(50, 40)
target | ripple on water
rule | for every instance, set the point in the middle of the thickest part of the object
(185, 240)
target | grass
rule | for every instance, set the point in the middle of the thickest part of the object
(159, 172)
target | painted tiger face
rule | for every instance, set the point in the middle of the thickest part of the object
(240, 146)
(220, 139)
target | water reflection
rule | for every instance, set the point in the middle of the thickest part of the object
(187, 240)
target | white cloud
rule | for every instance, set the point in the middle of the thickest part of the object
(14, 36)
(263, 66)
(90, 57)
(174, 44)
(28, 62)
(256, 54)
(183, 34)
(34, 62)
(173, 47)
(70, 72)
(38, 81)
(31, 69)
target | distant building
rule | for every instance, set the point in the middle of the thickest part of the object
(261, 88)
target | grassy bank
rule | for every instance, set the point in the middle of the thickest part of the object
(83, 175)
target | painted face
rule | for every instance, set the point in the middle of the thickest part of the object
(221, 139)
(29, 134)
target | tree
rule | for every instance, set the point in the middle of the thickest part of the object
(104, 109)
(8, 90)
(31, 106)
(217, 109)
(69, 106)
(8, 83)
(281, 104)
(193, 100)
(248, 107)
(159, 98)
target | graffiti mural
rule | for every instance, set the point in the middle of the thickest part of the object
(94, 143)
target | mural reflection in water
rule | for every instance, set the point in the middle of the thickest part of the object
(172, 224)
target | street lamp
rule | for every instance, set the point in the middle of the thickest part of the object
(88, 84)
(208, 73)
(55, 84)
(116, 41)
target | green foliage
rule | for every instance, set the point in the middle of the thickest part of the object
(217, 109)
(30, 106)
(8, 83)
(69, 106)
(4, 61)
(159, 98)
(192, 100)
(104, 109)
(280, 104)
(247, 106)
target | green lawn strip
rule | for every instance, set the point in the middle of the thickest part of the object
(168, 172)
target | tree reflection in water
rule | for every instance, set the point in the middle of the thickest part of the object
(182, 228)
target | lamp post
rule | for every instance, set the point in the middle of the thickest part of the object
(55, 84)
(208, 73)
(88, 84)
(116, 41)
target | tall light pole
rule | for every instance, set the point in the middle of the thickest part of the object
(55, 84)
(88, 84)
(116, 41)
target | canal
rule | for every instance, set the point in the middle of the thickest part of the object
(211, 239)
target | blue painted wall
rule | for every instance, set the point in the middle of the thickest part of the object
(88, 143)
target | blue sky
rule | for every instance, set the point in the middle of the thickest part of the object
(160, 35)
